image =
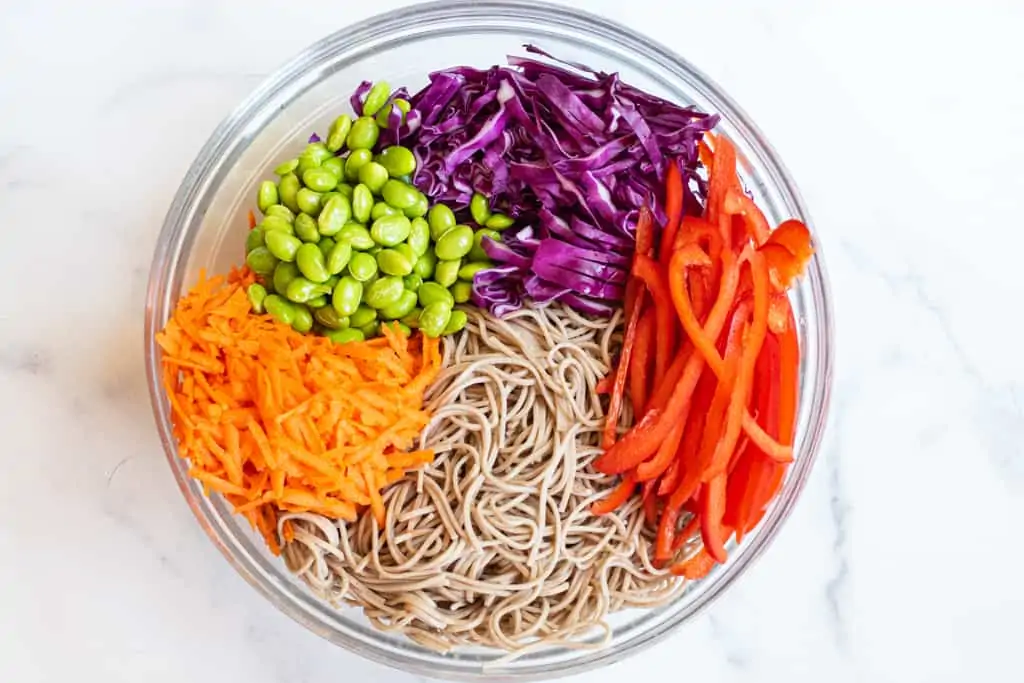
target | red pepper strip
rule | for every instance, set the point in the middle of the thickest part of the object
(650, 499)
(753, 466)
(252, 220)
(639, 362)
(692, 255)
(719, 182)
(754, 222)
(644, 232)
(795, 237)
(771, 448)
(638, 445)
(674, 211)
(687, 533)
(705, 155)
(619, 495)
(648, 270)
(656, 466)
(699, 407)
(696, 567)
(611, 423)
(604, 385)
(745, 377)
(783, 267)
(712, 530)
(778, 313)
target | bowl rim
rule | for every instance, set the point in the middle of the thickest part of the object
(292, 79)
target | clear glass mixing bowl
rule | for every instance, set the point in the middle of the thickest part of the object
(205, 226)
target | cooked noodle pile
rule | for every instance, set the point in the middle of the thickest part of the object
(494, 544)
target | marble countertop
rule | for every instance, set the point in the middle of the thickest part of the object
(902, 123)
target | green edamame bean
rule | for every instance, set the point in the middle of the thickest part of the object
(434, 318)
(404, 330)
(362, 203)
(347, 294)
(467, 271)
(334, 216)
(393, 262)
(319, 180)
(447, 272)
(373, 175)
(280, 211)
(479, 208)
(363, 316)
(345, 336)
(329, 318)
(425, 265)
(326, 244)
(318, 302)
(280, 308)
(398, 194)
(305, 228)
(308, 201)
(419, 236)
(499, 221)
(398, 161)
(257, 293)
(441, 220)
(282, 245)
(384, 114)
(284, 273)
(303, 320)
(371, 330)
(311, 263)
(364, 133)
(286, 167)
(311, 157)
(339, 257)
(261, 260)
(456, 322)
(356, 160)
(477, 253)
(384, 292)
(288, 190)
(345, 190)
(391, 230)
(405, 250)
(380, 209)
(338, 132)
(374, 250)
(412, 282)
(455, 243)
(300, 290)
(267, 195)
(362, 266)
(462, 292)
(357, 235)
(401, 308)
(413, 318)
(336, 166)
(431, 293)
(376, 98)
(419, 207)
(277, 223)
(254, 239)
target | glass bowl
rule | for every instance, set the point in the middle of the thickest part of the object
(205, 225)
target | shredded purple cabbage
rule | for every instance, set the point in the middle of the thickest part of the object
(570, 152)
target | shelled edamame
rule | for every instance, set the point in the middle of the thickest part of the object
(347, 243)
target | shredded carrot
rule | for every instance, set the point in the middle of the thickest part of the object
(275, 420)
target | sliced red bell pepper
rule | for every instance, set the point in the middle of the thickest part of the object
(638, 445)
(778, 313)
(656, 466)
(720, 180)
(619, 495)
(648, 270)
(640, 361)
(795, 237)
(696, 567)
(650, 499)
(604, 385)
(252, 219)
(754, 222)
(745, 376)
(611, 423)
(673, 211)
(687, 454)
(712, 530)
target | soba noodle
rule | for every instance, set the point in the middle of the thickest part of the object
(494, 544)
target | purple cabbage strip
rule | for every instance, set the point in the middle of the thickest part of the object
(568, 151)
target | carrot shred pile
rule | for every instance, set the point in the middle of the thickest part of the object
(275, 420)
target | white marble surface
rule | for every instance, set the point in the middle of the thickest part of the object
(902, 121)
